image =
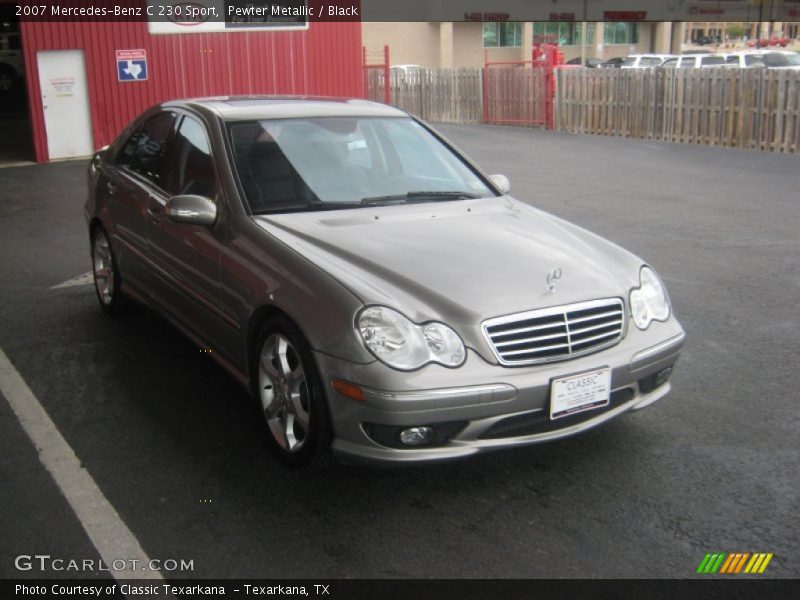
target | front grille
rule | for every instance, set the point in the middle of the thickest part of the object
(556, 333)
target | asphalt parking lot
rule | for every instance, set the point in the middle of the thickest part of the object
(176, 448)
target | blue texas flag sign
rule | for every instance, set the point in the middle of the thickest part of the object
(131, 65)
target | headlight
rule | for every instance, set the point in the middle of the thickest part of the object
(402, 344)
(649, 302)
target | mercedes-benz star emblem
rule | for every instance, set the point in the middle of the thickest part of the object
(552, 277)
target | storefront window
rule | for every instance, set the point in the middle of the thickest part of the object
(565, 34)
(620, 33)
(500, 35)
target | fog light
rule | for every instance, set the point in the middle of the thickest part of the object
(663, 375)
(416, 436)
(651, 382)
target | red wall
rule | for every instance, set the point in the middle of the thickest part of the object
(322, 60)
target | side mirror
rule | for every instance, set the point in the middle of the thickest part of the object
(191, 210)
(501, 182)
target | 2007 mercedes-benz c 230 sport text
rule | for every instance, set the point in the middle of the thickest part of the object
(383, 299)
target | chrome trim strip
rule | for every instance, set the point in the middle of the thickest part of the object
(595, 327)
(439, 398)
(533, 339)
(438, 394)
(658, 348)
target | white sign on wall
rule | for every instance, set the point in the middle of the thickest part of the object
(207, 16)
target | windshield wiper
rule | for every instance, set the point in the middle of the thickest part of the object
(421, 196)
(308, 207)
(418, 196)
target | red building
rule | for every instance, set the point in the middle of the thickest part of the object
(86, 80)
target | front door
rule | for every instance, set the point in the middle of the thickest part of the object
(65, 102)
(186, 257)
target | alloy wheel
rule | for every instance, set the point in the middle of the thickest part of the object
(283, 391)
(102, 262)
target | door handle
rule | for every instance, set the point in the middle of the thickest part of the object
(112, 189)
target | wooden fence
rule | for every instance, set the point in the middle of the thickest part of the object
(742, 108)
(516, 95)
(440, 95)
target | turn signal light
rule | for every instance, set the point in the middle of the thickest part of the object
(351, 390)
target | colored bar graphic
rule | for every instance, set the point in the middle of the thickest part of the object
(729, 563)
(717, 564)
(733, 563)
(711, 562)
(741, 562)
(703, 563)
(766, 562)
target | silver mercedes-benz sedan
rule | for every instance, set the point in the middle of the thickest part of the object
(382, 298)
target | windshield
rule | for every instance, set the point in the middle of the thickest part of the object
(345, 162)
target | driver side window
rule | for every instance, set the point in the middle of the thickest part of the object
(190, 168)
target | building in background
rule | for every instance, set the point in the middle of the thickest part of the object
(82, 82)
(462, 44)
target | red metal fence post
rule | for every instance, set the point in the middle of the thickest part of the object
(365, 71)
(387, 82)
(485, 86)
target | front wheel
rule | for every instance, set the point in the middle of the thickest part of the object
(291, 395)
(106, 273)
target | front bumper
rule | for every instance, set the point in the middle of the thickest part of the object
(497, 407)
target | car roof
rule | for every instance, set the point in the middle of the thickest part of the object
(248, 108)
(761, 52)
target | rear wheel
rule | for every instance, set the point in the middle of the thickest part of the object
(291, 395)
(106, 274)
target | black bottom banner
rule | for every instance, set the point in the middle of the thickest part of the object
(404, 589)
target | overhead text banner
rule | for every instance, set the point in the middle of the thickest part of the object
(228, 15)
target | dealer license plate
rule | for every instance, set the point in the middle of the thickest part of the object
(577, 393)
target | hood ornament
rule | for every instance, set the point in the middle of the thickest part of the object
(553, 276)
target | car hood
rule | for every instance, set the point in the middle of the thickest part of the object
(460, 262)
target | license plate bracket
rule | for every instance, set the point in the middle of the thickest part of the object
(577, 393)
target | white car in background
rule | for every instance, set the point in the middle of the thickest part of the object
(405, 69)
(695, 61)
(773, 59)
(782, 59)
(645, 61)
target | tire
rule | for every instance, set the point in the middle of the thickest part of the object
(291, 396)
(107, 279)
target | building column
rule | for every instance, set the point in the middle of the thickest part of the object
(662, 37)
(678, 34)
(527, 41)
(446, 45)
(599, 47)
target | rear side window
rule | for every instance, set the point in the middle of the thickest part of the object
(649, 61)
(190, 169)
(143, 152)
(732, 60)
(713, 60)
(753, 60)
(775, 60)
